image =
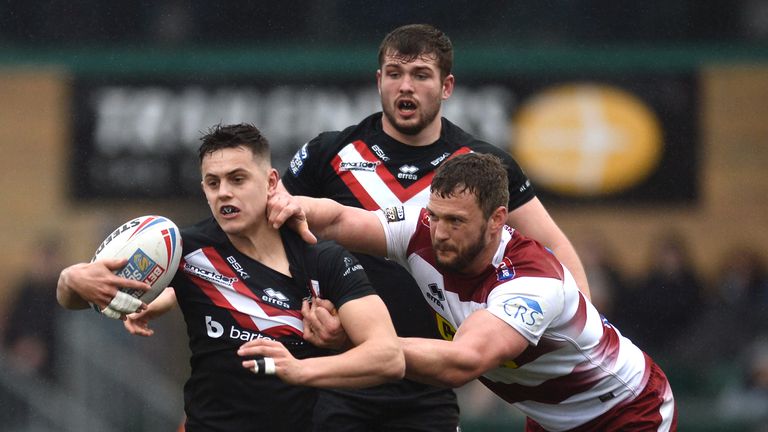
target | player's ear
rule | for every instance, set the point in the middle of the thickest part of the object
(273, 179)
(378, 80)
(448, 84)
(499, 217)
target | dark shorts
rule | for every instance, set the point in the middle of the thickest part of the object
(403, 406)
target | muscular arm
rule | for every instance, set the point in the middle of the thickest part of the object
(533, 220)
(483, 342)
(356, 229)
(375, 358)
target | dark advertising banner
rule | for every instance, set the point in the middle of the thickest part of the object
(580, 140)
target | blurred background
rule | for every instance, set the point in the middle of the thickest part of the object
(644, 127)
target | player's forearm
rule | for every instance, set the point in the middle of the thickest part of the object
(368, 364)
(163, 303)
(65, 295)
(322, 214)
(439, 363)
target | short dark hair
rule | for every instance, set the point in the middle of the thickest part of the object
(482, 175)
(412, 41)
(230, 136)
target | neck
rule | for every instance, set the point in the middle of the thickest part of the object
(425, 137)
(485, 257)
(263, 244)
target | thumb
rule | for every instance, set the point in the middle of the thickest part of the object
(302, 227)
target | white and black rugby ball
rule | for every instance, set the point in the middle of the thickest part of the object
(152, 245)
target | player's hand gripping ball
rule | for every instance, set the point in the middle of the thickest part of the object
(152, 245)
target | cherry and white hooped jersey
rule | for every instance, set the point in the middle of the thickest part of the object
(577, 366)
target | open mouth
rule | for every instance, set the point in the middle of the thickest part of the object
(406, 105)
(228, 210)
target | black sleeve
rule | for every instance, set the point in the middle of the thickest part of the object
(341, 276)
(303, 175)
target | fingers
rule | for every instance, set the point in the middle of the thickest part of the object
(302, 227)
(111, 313)
(137, 326)
(325, 304)
(124, 303)
(262, 366)
(113, 264)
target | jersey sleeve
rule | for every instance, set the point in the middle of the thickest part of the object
(303, 175)
(342, 277)
(528, 304)
(399, 224)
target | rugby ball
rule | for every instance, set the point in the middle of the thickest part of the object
(152, 245)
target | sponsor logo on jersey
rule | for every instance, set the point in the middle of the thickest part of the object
(275, 297)
(141, 267)
(354, 268)
(297, 163)
(439, 159)
(408, 172)
(394, 214)
(528, 311)
(237, 267)
(505, 270)
(358, 166)
(380, 153)
(525, 186)
(216, 278)
(435, 295)
(215, 330)
(446, 329)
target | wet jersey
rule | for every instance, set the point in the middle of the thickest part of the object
(362, 166)
(228, 299)
(577, 365)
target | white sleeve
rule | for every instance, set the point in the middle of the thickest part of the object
(399, 224)
(528, 304)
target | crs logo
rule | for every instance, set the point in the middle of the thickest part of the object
(524, 309)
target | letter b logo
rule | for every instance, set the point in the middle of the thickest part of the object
(215, 330)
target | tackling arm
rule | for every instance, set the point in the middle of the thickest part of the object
(376, 357)
(356, 229)
(483, 342)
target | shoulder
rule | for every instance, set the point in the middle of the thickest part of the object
(527, 257)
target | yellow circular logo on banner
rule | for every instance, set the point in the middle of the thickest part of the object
(586, 139)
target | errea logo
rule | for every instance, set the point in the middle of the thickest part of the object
(408, 172)
(275, 297)
(435, 294)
